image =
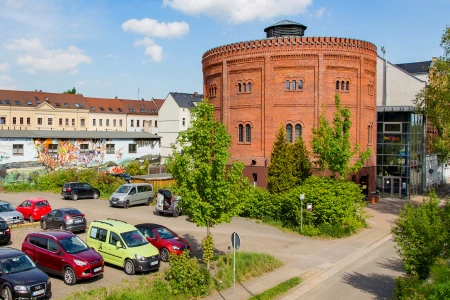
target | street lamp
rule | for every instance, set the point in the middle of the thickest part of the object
(302, 197)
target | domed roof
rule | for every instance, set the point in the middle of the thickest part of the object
(285, 28)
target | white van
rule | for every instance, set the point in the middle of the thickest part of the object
(132, 194)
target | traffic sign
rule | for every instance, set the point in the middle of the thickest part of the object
(235, 240)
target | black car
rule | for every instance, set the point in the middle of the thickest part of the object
(5, 232)
(20, 279)
(70, 219)
(77, 190)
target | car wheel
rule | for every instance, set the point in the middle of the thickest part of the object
(129, 267)
(176, 212)
(44, 225)
(65, 198)
(31, 219)
(62, 227)
(148, 201)
(126, 204)
(159, 212)
(69, 276)
(74, 196)
(6, 293)
(164, 253)
(95, 195)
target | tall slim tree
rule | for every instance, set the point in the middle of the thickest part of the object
(210, 194)
(434, 100)
(331, 144)
(301, 163)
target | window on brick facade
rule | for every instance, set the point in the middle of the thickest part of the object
(288, 85)
(17, 149)
(347, 86)
(215, 91)
(248, 133)
(110, 148)
(289, 133)
(241, 133)
(369, 135)
(337, 85)
(300, 84)
(342, 85)
(132, 148)
(245, 87)
(250, 86)
(298, 131)
(239, 87)
(294, 85)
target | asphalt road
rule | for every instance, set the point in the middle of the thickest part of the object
(370, 277)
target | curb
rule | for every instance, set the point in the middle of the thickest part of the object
(17, 226)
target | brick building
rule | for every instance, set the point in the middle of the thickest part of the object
(285, 79)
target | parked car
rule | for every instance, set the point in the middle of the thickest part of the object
(124, 176)
(33, 209)
(121, 244)
(132, 194)
(167, 203)
(70, 219)
(164, 239)
(9, 214)
(63, 253)
(78, 190)
(5, 232)
(20, 279)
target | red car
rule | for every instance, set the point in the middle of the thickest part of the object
(34, 209)
(63, 253)
(167, 241)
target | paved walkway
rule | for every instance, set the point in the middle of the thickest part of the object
(315, 267)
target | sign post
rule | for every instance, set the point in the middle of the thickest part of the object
(302, 197)
(236, 243)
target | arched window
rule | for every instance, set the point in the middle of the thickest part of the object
(298, 131)
(369, 135)
(300, 84)
(239, 87)
(288, 85)
(241, 133)
(250, 87)
(215, 90)
(342, 85)
(294, 85)
(248, 133)
(347, 84)
(245, 87)
(289, 133)
(337, 85)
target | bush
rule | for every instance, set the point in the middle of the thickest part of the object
(134, 168)
(187, 276)
(260, 203)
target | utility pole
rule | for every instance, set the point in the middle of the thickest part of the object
(384, 102)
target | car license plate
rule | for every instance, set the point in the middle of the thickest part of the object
(154, 263)
(38, 292)
(97, 269)
(78, 221)
(1, 232)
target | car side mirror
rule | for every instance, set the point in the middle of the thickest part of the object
(118, 244)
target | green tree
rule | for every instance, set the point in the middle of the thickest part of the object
(280, 175)
(210, 194)
(433, 100)
(301, 163)
(331, 144)
(70, 91)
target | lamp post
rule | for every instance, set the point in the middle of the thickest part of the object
(302, 197)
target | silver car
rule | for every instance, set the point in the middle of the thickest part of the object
(9, 214)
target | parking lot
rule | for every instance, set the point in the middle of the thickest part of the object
(254, 236)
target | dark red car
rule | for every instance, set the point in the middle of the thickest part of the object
(33, 209)
(63, 253)
(167, 241)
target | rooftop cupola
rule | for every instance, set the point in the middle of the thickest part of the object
(285, 28)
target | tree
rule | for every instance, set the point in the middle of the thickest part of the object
(301, 163)
(70, 91)
(434, 100)
(280, 175)
(210, 194)
(331, 144)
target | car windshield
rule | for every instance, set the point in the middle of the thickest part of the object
(41, 203)
(73, 212)
(123, 189)
(134, 238)
(6, 207)
(73, 245)
(17, 264)
(165, 233)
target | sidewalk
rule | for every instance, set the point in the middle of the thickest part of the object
(311, 267)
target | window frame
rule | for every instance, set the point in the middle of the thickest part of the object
(16, 150)
(110, 148)
(132, 148)
(240, 133)
(52, 148)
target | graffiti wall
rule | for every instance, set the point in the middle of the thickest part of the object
(52, 154)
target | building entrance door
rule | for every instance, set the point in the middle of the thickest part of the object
(392, 186)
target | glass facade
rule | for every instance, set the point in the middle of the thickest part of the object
(400, 148)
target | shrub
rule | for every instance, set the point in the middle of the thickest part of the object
(134, 168)
(186, 276)
(260, 203)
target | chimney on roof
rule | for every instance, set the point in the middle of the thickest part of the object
(116, 97)
(142, 99)
(40, 91)
(35, 90)
(195, 94)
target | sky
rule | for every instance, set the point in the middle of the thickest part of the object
(137, 49)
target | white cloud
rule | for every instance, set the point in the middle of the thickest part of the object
(151, 49)
(4, 67)
(151, 27)
(80, 83)
(319, 13)
(38, 58)
(14, 4)
(240, 11)
(7, 83)
(111, 56)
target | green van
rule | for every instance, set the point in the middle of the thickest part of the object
(121, 244)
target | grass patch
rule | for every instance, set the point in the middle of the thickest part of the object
(155, 286)
(278, 290)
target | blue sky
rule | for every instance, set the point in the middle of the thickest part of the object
(113, 48)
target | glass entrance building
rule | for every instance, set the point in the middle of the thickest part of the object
(400, 151)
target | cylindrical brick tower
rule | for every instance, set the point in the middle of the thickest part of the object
(285, 80)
